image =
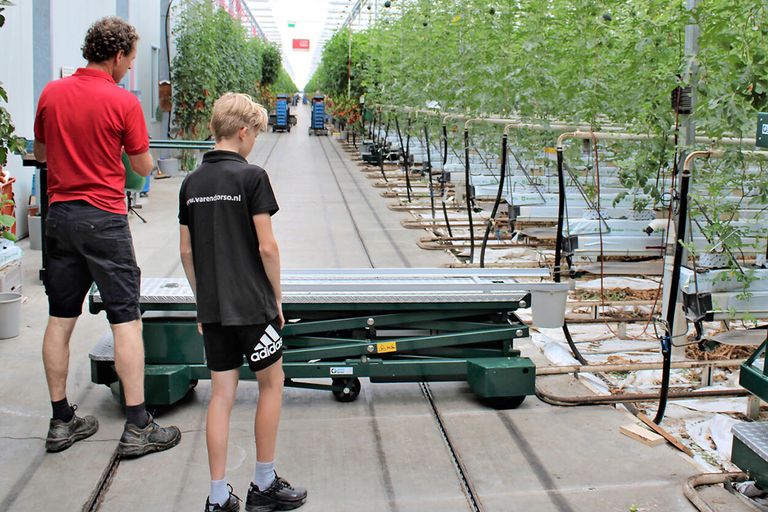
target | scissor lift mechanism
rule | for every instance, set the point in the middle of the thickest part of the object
(389, 325)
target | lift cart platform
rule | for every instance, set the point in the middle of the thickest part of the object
(390, 325)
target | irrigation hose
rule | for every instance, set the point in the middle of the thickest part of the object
(407, 159)
(559, 245)
(690, 485)
(499, 192)
(467, 191)
(429, 172)
(666, 340)
(381, 150)
(402, 152)
(442, 181)
(580, 400)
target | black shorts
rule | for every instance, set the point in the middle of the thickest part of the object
(225, 346)
(85, 245)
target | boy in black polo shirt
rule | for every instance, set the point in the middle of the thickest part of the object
(232, 262)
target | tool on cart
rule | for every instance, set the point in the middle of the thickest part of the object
(281, 118)
(317, 120)
(390, 325)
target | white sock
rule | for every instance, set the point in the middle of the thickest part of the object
(264, 475)
(219, 492)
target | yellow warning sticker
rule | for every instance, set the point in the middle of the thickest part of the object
(388, 346)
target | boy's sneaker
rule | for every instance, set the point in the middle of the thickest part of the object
(231, 505)
(136, 441)
(278, 496)
(63, 434)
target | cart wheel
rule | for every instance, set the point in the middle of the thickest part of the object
(507, 402)
(351, 388)
(193, 384)
(289, 128)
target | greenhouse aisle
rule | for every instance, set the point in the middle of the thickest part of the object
(383, 452)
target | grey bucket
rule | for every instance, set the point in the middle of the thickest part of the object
(10, 314)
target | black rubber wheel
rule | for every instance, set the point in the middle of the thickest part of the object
(507, 402)
(350, 389)
(193, 384)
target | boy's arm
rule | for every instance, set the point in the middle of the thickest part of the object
(270, 257)
(185, 249)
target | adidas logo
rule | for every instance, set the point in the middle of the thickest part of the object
(269, 343)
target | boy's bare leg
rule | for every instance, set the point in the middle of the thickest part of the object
(129, 360)
(268, 410)
(56, 355)
(223, 391)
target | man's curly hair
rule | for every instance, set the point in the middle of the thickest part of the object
(107, 37)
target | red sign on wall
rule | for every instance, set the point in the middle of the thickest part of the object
(301, 44)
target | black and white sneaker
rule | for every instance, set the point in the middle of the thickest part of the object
(231, 505)
(279, 496)
(63, 434)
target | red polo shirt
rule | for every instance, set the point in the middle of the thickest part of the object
(85, 122)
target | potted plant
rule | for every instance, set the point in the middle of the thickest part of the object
(10, 303)
(9, 143)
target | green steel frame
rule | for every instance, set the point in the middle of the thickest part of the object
(411, 342)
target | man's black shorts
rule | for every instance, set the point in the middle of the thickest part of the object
(225, 345)
(85, 245)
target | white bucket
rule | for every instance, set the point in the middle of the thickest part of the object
(168, 166)
(548, 307)
(35, 234)
(10, 314)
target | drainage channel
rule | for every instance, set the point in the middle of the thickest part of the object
(96, 498)
(102, 486)
(467, 487)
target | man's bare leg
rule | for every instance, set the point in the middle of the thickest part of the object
(129, 360)
(56, 355)
(65, 428)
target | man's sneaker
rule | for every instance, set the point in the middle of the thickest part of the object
(278, 496)
(136, 441)
(231, 505)
(63, 434)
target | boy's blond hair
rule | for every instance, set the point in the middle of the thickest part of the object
(233, 111)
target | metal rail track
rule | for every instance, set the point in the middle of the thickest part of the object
(470, 492)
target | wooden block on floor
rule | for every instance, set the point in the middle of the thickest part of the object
(642, 434)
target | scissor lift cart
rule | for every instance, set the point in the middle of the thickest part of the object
(389, 325)
(317, 121)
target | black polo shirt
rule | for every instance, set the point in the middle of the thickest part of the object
(218, 201)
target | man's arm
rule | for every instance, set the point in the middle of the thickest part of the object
(142, 163)
(41, 154)
(270, 257)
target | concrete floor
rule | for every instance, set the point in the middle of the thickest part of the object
(383, 452)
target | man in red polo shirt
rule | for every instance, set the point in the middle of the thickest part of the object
(83, 124)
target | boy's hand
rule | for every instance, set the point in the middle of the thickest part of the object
(280, 318)
(200, 328)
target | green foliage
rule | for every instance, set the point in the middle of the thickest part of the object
(284, 83)
(271, 64)
(733, 64)
(336, 73)
(213, 56)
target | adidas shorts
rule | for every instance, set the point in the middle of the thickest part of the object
(225, 346)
